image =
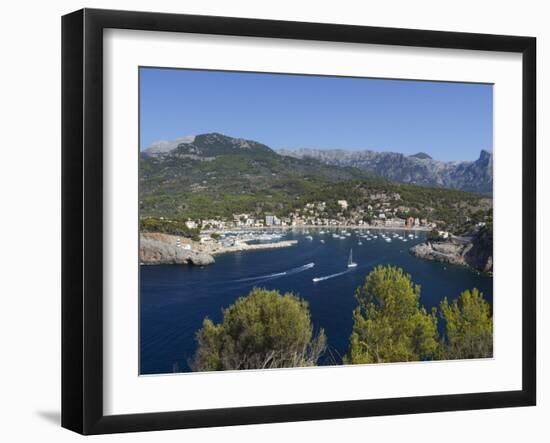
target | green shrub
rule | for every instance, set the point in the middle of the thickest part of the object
(262, 330)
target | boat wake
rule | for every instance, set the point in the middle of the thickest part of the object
(300, 269)
(277, 274)
(327, 277)
(347, 271)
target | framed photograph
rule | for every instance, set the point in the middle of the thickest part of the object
(269, 221)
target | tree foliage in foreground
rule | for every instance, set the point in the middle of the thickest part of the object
(469, 327)
(262, 330)
(390, 325)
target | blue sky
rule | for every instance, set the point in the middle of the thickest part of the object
(449, 121)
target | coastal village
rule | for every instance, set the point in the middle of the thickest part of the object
(315, 214)
(247, 231)
(208, 237)
(218, 234)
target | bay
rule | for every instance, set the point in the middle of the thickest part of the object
(174, 299)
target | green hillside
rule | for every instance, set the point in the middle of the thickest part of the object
(218, 176)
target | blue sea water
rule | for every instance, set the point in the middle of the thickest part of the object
(174, 299)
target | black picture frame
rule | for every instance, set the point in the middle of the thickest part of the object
(82, 218)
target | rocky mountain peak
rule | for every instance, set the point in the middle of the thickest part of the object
(485, 155)
(213, 143)
(162, 147)
(421, 156)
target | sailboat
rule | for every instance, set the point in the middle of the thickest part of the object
(351, 263)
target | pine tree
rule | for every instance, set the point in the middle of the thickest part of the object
(262, 330)
(469, 327)
(389, 324)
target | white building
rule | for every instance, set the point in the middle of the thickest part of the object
(272, 220)
(343, 204)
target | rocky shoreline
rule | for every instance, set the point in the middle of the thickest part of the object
(160, 249)
(475, 251)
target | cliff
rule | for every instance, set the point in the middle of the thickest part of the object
(475, 251)
(480, 255)
(159, 249)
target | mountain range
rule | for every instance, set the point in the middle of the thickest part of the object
(418, 169)
(213, 175)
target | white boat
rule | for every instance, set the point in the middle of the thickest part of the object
(351, 263)
(359, 243)
(322, 241)
(388, 239)
(316, 279)
(309, 237)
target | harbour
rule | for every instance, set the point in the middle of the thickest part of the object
(175, 299)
